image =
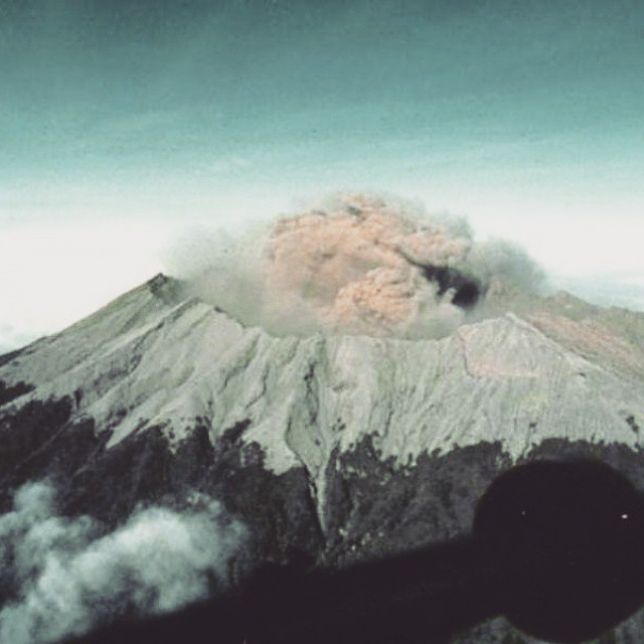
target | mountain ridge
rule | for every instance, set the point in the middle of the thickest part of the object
(166, 360)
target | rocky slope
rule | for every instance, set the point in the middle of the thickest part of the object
(336, 447)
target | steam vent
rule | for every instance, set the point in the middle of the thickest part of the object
(367, 266)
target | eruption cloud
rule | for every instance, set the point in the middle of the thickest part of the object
(357, 264)
(61, 576)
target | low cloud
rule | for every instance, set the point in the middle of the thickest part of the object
(62, 577)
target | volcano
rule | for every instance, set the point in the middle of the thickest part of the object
(329, 447)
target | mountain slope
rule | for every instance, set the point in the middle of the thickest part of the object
(341, 447)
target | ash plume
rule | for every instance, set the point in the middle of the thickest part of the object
(61, 576)
(358, 264)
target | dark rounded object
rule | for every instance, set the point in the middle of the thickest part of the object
(566, 541)
(467, 291)
(467, 295)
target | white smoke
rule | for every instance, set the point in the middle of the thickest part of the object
(65, 576)
(354, 264)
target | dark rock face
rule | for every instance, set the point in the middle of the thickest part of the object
(38, 443)
(278, 509)
(371, 508)
(374, 509)
(6, 358)
(11, 392)
(29, 440)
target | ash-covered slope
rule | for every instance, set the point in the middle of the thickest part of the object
(342, 447)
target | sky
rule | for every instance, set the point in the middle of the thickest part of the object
(124, 124)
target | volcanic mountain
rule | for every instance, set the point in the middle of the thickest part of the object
(337, 448)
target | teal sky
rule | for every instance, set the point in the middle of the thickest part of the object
(526, 116)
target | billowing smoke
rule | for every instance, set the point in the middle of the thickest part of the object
(61, 577)
(356, 264)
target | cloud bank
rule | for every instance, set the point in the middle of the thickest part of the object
(354, 264)
(62, 577)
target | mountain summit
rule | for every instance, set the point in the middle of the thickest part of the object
(336, 447)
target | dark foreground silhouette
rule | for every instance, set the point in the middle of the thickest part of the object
(555, 547)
